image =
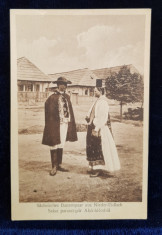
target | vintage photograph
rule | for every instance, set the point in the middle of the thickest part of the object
(80, 108)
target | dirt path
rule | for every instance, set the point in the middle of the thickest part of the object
(36, 185)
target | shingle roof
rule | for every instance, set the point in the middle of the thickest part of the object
(80, 77)
(27, 71)
(105, 72)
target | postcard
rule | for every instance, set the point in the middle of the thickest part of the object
(79, 113)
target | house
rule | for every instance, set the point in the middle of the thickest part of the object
(106, 72)
(32, 83)
(83, 83)
(35, 86)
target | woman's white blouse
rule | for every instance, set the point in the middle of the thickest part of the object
(101, 114)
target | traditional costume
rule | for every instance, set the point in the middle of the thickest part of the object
(101, 149)
(59, 125)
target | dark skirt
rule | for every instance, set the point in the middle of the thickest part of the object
(94, 148)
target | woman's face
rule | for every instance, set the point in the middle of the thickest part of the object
(97, 92)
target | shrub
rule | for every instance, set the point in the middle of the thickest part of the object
(134, 114)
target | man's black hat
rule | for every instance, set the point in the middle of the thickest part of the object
(62, 80)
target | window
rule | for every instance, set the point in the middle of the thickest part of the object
(29, 87)
(37, 87)
(20, 88)
(86, 92)
(91, 91)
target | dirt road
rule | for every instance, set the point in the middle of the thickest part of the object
(36, 185)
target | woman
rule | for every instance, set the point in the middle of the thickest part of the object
(101, 149)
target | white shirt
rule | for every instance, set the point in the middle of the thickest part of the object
(101, 112)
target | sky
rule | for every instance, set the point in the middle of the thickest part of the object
(64, 43)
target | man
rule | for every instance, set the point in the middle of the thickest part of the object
(59, 124)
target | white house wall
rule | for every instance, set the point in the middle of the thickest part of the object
(79, 90)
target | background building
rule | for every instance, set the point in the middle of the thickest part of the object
(106, 72)
(83, 83)
(32, 83)
(36, 86)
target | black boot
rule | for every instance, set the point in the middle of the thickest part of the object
(59, 168)
(59, 152)
(54, 161)
(95, 173)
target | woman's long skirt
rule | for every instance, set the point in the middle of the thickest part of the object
(101, 151)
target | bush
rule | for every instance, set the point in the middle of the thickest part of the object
(134, 114)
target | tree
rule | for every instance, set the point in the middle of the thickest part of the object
(125, 87)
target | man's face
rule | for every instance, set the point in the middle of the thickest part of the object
(62, 87)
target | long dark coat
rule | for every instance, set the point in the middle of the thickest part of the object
(51, 135)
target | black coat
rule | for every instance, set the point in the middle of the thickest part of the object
(51, 135)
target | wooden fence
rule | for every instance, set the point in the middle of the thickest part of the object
(35, 97)
(32, 96)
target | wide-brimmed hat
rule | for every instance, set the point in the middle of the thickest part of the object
(62, 80)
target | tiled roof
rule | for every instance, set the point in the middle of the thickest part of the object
(27, 71)
(105, 72)
(80, 77)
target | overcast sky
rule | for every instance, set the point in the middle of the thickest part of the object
(64, 43)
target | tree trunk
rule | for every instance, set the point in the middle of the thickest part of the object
(121, 104)
(141, 104)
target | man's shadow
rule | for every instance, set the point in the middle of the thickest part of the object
(39, 166)
(35, 166)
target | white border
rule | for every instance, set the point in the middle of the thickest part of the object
(30, 211)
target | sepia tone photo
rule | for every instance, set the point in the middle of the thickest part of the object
(79, 104)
